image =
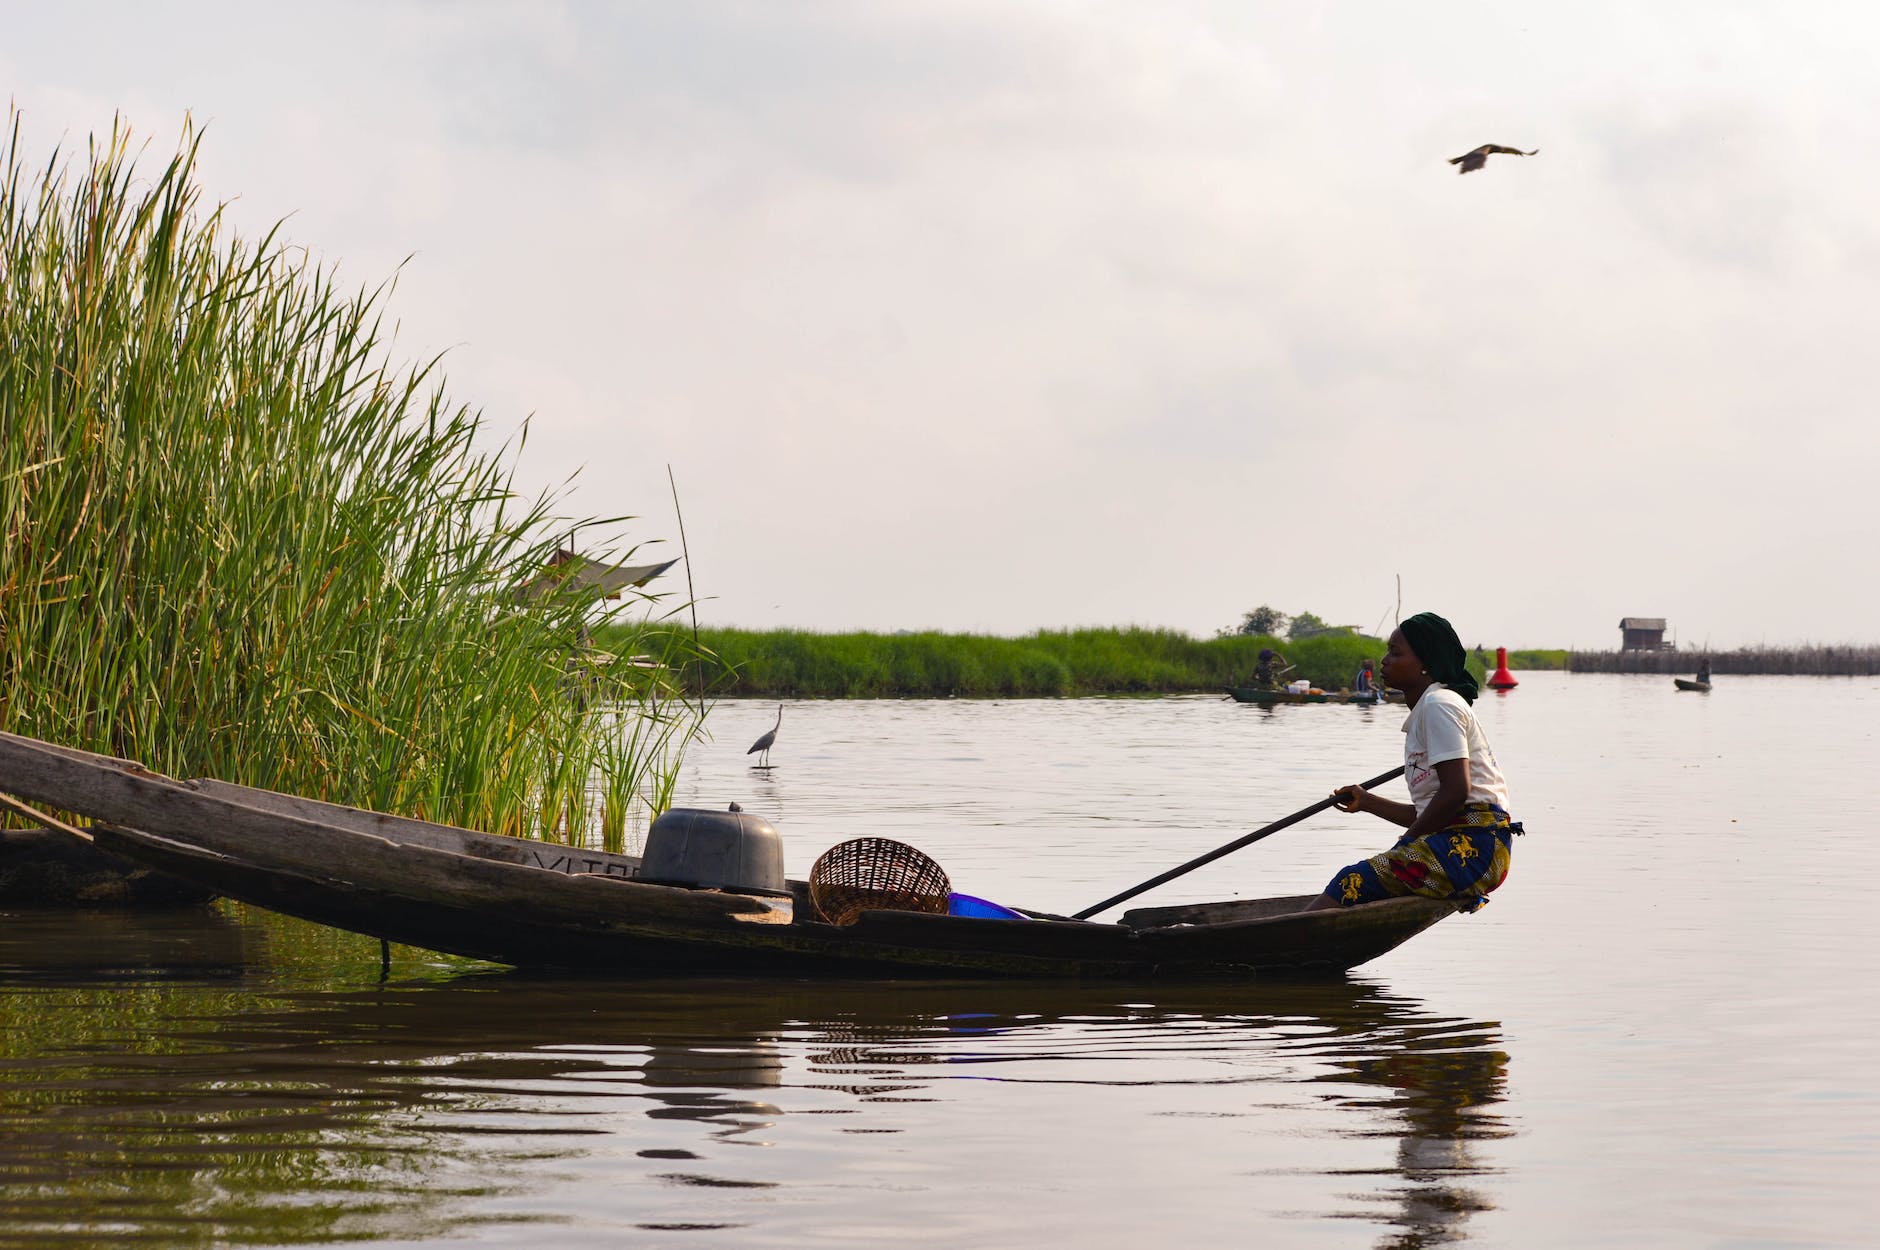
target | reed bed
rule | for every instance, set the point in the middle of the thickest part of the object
(236, 540)
(803, 664)
(1536, 659)
(1806, 660)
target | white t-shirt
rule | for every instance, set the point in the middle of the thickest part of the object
(1443, 727)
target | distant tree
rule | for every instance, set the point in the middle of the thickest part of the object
(1305, 624)
(1263, 620)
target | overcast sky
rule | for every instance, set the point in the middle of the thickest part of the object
(1007, 315)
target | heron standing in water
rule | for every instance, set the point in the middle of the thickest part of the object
(763, 744)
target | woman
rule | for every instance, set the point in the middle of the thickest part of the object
(1267, 672)
(1457, 832)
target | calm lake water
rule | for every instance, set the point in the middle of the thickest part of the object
(1660, 1033)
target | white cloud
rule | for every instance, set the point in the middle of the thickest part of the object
(1017, 315)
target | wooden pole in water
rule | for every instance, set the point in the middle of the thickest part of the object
(1230, 848)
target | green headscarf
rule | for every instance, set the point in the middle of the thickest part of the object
(1435, 642)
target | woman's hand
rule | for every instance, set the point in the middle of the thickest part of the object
(1350, 798)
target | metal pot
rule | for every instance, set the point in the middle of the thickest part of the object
(700, 848)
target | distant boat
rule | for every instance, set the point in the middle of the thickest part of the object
(1260, 695)
(1684, 683)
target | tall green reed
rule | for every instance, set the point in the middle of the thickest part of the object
(237, 540)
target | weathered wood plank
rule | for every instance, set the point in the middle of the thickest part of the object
(549, 855)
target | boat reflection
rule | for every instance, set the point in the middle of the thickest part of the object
(213, 1111)
(70, 944)
(1444, 1083)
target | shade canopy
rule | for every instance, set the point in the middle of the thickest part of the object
(569, 573)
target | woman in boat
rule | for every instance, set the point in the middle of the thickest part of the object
(1363, 684)
(1703, 669)
(1267, 672)
(1457, 835)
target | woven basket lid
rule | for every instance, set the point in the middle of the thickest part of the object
(876, 874)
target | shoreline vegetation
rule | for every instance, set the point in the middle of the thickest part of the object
(237, 540)
(1800, 661)
(1070, 663)
(1047, 664)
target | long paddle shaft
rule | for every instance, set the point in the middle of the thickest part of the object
(1230, 848)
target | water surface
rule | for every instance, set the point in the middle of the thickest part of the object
(1657, 1034)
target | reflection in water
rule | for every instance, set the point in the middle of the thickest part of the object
(243, 1109)
(250, 1083)
(1438, 1079)
(1445, 1086)
(187, 942)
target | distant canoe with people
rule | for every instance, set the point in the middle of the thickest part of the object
(1261, 695)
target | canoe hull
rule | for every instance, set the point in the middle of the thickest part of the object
(1254, 694)
(531, 904)
(1683, 683)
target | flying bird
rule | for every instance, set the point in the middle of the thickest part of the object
(1478, 158)
(764, 743)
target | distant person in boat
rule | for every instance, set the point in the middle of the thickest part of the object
(1364, 684)
(1457, 835)
(1703, 670)
(1267, 672)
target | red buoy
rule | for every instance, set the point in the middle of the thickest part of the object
(1503, 679)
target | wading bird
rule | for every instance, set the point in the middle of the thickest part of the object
(763, 743)
(1478, 158)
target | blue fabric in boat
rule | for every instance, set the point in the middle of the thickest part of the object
(967, 905)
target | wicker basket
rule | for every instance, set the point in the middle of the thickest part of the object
(876, 874)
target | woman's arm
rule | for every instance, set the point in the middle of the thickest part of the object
(1357, 799)
(1452, 793)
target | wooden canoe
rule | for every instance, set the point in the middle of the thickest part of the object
(1256, 694)
(1685, 683)
(536, 904)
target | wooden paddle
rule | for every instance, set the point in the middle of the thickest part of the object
(1230, 848)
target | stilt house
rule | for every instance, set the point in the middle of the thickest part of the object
(1643, 633)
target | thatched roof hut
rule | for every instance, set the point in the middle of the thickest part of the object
(1642, 633)
(569, 573)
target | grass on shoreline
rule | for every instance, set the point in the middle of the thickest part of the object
(1808, 660)
(804, 664)
(1052, 663)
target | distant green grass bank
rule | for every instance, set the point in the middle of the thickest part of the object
(795, 663)
(1811, 661)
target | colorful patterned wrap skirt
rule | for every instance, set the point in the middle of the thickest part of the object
(1464, 862)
